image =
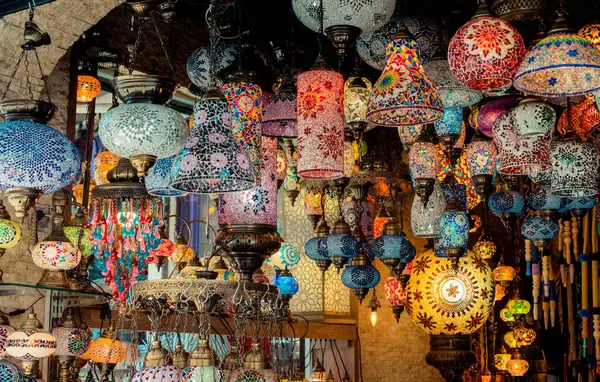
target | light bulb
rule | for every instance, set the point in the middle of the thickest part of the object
(374, 317)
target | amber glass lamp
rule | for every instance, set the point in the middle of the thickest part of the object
(88, 88)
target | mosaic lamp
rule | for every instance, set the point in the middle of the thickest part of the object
(30, 344)
(539, 229)
(454, 231)
(360, 275)
(504, 276)
(485, 53)
(404, 94)
(491, 111)
(449, 127)
(279, 113)
(485, 247)
(574, 167)
(198, 64)
(423, 165)
(563, 64)
(35, 158)
(88, 87)
(453, 93)
(10, 233)
(408, 135)
(501, 359)
(288, 256)
(425, 220)
(320, 123)
(107, 351)
(5, 331)
(312, 204)
(533, 118)
(542, 199)
(449, 303)
(255, 367)
(518, 365)
(395, 292)
(591, 32)
(341, 245)
(202, 363)
(10, 372)
(316, 248)
(393, 248)
(506, 204)
(155, 366)
(56, 254)
(102, 164)
(245, 101)
(356, 97)
(525, 336)
(481, 159)
(141, 128)
(160, 177)
(71, 341)
(211, 161)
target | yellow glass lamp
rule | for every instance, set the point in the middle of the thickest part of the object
(10, 232)
(518, 365)
(183, 252)
(78, 193)
(591, 32)
(518, 306)
(107, 350)
(504, 275)
(103, 163)
(501, 359)
(510, 340)
(485, 247)
(77, 232)
(88, 88)
(506, 315)
(524, 336)
(500, 293)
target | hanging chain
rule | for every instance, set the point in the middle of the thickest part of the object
(39, 64)
(27, 76)
(164, 48)
(136, 46)
(14, 73)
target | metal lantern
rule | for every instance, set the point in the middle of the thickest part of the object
(88, 88)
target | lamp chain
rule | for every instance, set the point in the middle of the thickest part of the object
(136, 46)
(164, 48)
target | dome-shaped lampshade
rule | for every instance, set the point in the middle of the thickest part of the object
(103, 163)
(198, 65)
(517, 366)
(525, 336)
(507, 201)
(201, 373)
(501, 359)
(286, 283)
(452, 92)
(30, 342)
(535, 228)
(393, 246)
(165, 373)
(320, 124)
(10, 372)
(579, 203)
(316, 249)
(160, 176)
(371, 46)
(88, 88)
(279, 114)
(366, 16)
(591, 32)
(563, 64)
(287, 256)
(481, 157)
(574, 168)
(443, 299)
(491, 111)
(425, 220)
(140, 128)
(485, 53)
(56, 255)
(451, 123)
(404, 94)
(360, 276)
(212, 161)
(34, 155)
(533, 118)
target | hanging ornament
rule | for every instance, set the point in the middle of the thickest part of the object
(393, 248)
(452, 92)
(279, 113)
(360, 275)
(574, 167)
(506, 204)
(423, 165)
(425, 220)
(491, 111)
(481, 157)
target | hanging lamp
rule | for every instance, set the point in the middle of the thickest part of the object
(10, 235)
(88, 86)
(481, 159)
(160, 177)
(423, 165)
(533, 117)
(71, 341)
(452, 92)
(425, 219)
(393, 248)
(279, 113)
(574, 167)
(199, 65)
(360, 275)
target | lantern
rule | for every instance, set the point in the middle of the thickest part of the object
(341, 245)
(212, 161)
(425, 219)
(10, 232)
(10, 372)
(103, 163)
(501, 359)
(164, 373)
(485, 53)
(403, 94)
(286, 283)
(454, 231)
(525, 336)
(360, 276)
(574, 168)
(356, 97)
(533, 117)
(541, 198)
(30, 344)
(279, 113)
(320, 123)
(408, 135)
(360, 214)
(518, 365)
(107, 350)
(449, 127)
(423, 165)
(5, 331)
(485, 247)
(563, 64)
(88, 88)
(481, 160)
(160, 177)
(392, 247)
(518, 306)
(198, 64)
(452, 92)
(71, 342)
(591, 32)
(395, 295)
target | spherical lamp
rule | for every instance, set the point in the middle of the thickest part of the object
(518, 365)
(393, 248)
(103, 163)
(71, 341)
(10, 233)
(360, 276)
(88, 88)
(485, 53)
(501, 359)
(485, 247)
(10, 372)
(481, 159)
(454, 231)
(491, 111)
(107, 350)
(591, 32)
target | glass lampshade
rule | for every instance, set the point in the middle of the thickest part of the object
(451, 123)
(408, 134)
(246, 105)
(504, 273)
(312, 202)
(366, 16)
(454, 229)
(79, 238)
(10, 234)
(485, 248)
(56, 255)
(393, 246)
(452, 92)
(425, 220)
(404, 94)
(160, 176)
(10, 372)
(563, 64)
(257, 205)
(316, 249)
(103, 163)
(5, 331)
(320, 124)
(279, 114)
(251, 375)
(72, 342)
(141, 128)
(525, 336)
(78, 192)
(36, 156)
(491, 111)
(591, 32)
(581, 117)
(360, 276)
(485, 53)
(165, 373)
(574, 168)
(518, 306)
(288, 256)
(501, 359)
(533, 118)
(580, 203)
(287, 284)
(212, 161)
(183, 253)
(360, 214)
(30, 342)
(88, 88)
(481, 157)
(422, 160)
(198, 64)
(535, 228)
(107, 350)
(281, 164)
(201, 373)
(443, 299)
(507, 201)
(542, 199)
(371, 46)
(356, 96)
(341, 245)
(518, 365)
(394, 292)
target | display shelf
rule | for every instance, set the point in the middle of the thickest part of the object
(70, 297)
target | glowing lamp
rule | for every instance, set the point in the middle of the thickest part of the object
(103, 163)
(183, 253)
(10, 232)
(454, 232)
(501, 359)
(591, 32)
(408, 135)
(160, 177)
(518, 365)
(88, 88)
(485, 247)
(504, 273)
(525, 336)
(423, 165)
(107, 350)
(574, 168)
(425, 218)
(286, 283)
(518, 306)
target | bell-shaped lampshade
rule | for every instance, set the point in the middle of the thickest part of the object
(320, 124)
(245, 105)
(288, 256)
(404, 94)
(485, 53)
(143, 128)
(481, 157)
(533, 118)
(103, 163)
(107, 349)
(591, 32)
(279, 113)
(491, 111)
(408, 135)
(574, 168)
(542, 199)
(198, 64)
(257, 205)
(212, 161)
(160, 177)
(356, 96)
(520, 155)
(452, 92)
(425, 220)
(447, 299)
(563, 64)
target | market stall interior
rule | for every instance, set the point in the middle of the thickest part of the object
(299, 190)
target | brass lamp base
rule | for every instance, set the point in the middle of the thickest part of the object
(342, 37)
(323, 265)
(397, 311)
(22, 199)
(451, 355)
(247, 246)
(142, 164)
(65, 362)
(29, 366)
(424, 188)
(360, 293)
(483, 185)
(54, 279)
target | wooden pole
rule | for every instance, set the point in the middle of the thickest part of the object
(595, 291)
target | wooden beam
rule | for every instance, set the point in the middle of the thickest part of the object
(334, 331)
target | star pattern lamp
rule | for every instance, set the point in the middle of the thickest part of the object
(71, 342)
(481, 159)
(563, 64)
(533, 118)
(320, 123)
(404, 94)
(360, 275)
(212, 162)
(591, 32)
(198, 64)
(393, 248)
(485, 53)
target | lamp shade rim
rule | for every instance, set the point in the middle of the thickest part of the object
(431, 114)
(521, 77)
(167, 192)
(317, 173)
(192, 185)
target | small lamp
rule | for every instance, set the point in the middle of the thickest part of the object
(71, 342)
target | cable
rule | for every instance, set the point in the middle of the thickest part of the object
(335, 359)
(341, 358)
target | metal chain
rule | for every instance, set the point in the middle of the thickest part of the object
(27, 77)
(164, 48)
(14, 73)
(136, 46)
(46, 88)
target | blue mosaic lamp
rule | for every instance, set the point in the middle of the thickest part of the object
(288, 256)
(579, 206)
(286, 283)
(542, 199)
(449, 127)
(341, 245)
(35, 159)
(454, 231)
(539, 229)
(160, 176)
(506, 204)
(360, 276)
(393, 248)
(10, 372)
(316, 248)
